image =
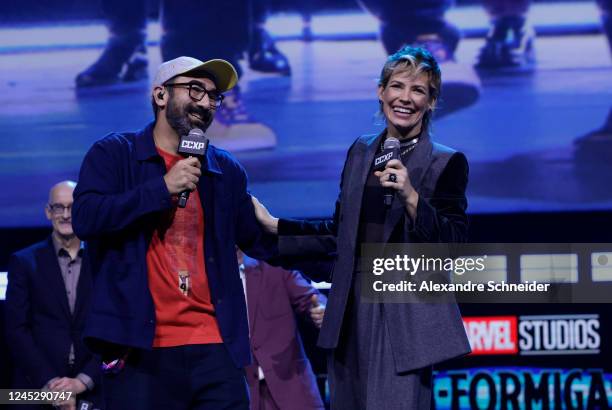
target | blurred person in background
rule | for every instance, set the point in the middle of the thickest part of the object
(280, 376)
(203, 29)
(47, 299)
(423, 23)
(592, 151)
(510, 41)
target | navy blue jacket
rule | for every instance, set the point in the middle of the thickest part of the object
(39, 325)
(118, 202)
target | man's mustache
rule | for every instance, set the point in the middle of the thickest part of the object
(205, 114)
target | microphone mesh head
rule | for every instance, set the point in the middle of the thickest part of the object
(196, 131)
(391, 142)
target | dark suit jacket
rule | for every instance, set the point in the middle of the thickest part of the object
(422, 334)
(274, 296)
(39, 325)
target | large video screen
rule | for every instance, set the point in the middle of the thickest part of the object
(531, 109)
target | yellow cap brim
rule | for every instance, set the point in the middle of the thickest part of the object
(224, 73)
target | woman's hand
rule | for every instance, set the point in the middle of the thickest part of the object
(266, 220)
(395, 175)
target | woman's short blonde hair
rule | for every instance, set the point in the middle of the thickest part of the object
(415, 60)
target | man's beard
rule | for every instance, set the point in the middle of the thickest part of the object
(179, 120)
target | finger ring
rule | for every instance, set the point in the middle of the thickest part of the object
(392, 178)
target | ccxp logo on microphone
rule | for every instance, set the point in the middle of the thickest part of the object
(195, 145)
(383, 159)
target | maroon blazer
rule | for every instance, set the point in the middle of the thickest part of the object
(274, 296)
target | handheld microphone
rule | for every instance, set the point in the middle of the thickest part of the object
(195, 144)
(391, 150)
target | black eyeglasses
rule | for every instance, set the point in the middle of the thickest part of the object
(58, 209)
(197, 93)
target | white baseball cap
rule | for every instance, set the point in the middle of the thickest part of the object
(223, 73)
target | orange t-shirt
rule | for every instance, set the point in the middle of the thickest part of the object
(176, 255)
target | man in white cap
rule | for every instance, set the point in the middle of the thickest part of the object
(168, 315)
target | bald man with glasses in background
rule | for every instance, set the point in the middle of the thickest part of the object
(49, 288)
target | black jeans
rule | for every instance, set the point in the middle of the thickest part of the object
(194, 377)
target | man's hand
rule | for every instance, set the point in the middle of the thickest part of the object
(183, 176)
(266, 220)
(69, 404)
(317, 311)
(67, 384)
